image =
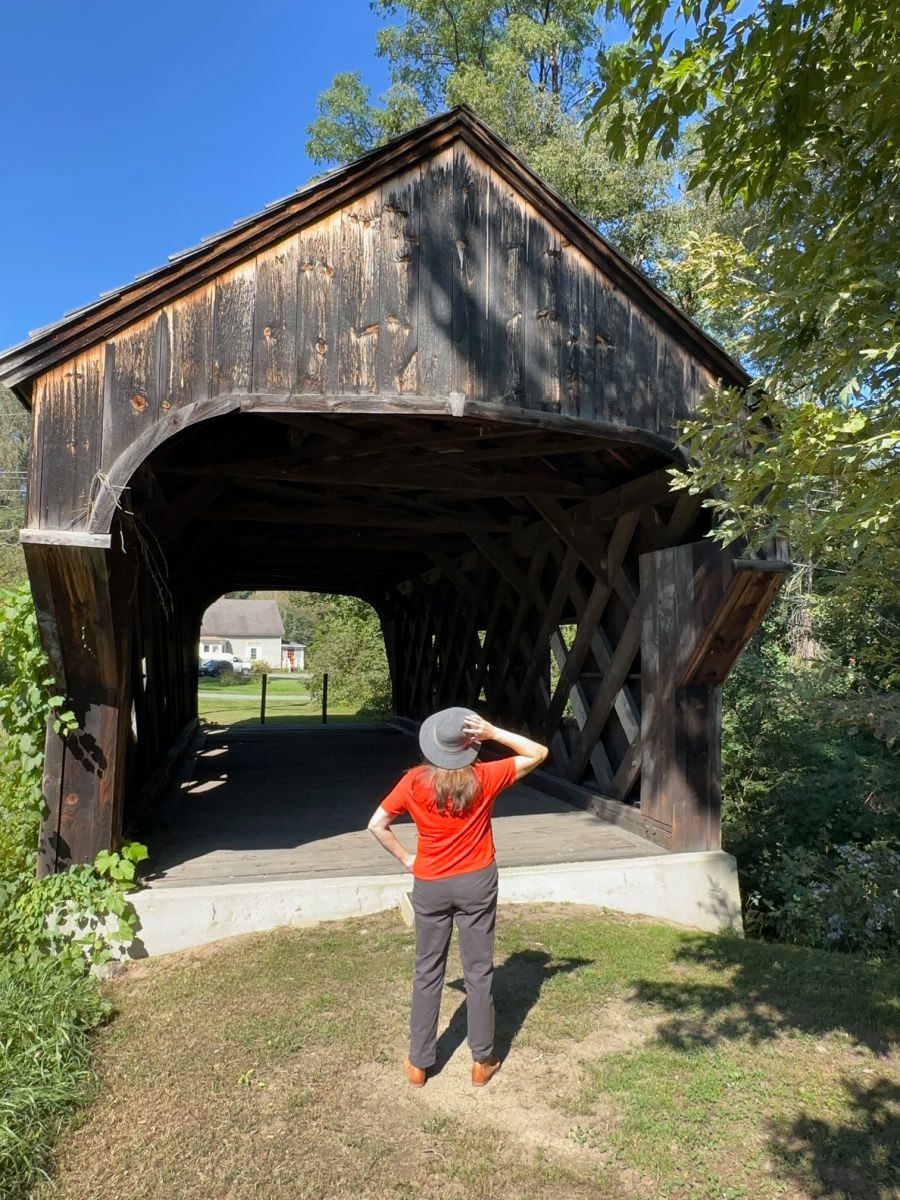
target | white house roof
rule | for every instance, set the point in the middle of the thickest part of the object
(242, 618)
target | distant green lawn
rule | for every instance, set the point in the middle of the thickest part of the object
(640, 1061)
(287, 703)
(299, 685)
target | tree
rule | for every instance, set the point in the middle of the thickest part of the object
(302, 613)
(794, 111)
(349, 647)
(15, 454)
(520, 66)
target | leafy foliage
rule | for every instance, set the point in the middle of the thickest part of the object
(519, 66)
(844, 898)
(301, 613)
(81, 916)
(349, 646)
(829, 478)
(804, 777)
(794, 111)
(797, 108)
(27, 692)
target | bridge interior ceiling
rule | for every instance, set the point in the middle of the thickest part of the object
(367, 504)
(502, 558)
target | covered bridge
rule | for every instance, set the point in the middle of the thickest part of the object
(423, 380)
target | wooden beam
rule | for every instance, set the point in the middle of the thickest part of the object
(738, 598)
(390, 477)
(590, 609)
(605, 807)
(192, 502)
(523, 602)
(549, 622)
(419, 438)
(454, 575)
(587, 544)
(343, 514)
(580, 708)
(614, 680)
(64, 537)
(502, 561)
(634, 494)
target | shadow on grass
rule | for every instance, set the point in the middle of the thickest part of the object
(769, 990)
(859, 1159)
(517, 986)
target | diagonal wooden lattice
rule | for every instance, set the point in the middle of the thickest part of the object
(483, 629)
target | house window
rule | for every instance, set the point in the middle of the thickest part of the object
(254, 653)
(206, 647)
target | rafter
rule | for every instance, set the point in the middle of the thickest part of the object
(420, 478)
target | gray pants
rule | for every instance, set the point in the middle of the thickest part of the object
(472, 899)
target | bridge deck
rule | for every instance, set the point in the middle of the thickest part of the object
(269, 804)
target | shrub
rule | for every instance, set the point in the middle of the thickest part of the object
(81, 916)
(844, 898)
(378, 705)
(809, 774)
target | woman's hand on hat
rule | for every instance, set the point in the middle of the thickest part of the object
(477, 729)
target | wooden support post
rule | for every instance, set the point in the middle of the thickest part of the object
(325, 698)
(698, 609)
(83, 596)
(264, 680)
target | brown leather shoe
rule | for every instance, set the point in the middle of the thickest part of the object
(415, 1075)
(484, 1070)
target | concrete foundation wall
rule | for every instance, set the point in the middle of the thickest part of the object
(697, 890)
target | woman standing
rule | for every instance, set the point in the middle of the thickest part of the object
(450, 798)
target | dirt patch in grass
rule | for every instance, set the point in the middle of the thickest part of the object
(640, 1061)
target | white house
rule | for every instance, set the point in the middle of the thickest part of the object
(251, 629)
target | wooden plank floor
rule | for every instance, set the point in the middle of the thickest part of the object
(287, 804)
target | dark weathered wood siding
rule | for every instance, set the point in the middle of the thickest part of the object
(440, 282)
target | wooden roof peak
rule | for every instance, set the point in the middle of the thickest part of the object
(120, 307)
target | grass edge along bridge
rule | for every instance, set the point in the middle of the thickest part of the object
(423, 380)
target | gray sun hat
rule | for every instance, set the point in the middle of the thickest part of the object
(443, 741)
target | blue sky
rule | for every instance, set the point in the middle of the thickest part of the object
(128, 131)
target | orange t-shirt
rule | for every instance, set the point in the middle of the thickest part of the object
(450, 845)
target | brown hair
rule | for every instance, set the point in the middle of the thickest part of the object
(454, 790)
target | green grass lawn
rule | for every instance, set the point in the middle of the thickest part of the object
(297, 685)
(287, 703)
(640, 1060)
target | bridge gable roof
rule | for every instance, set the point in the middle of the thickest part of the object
(121, 307)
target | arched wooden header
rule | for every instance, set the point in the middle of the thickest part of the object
(423, 380)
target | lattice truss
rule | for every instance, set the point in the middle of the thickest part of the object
(543, 630)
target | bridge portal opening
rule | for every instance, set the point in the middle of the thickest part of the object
(477, 546)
